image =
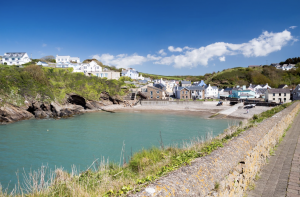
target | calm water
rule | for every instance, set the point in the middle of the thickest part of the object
(80, 140)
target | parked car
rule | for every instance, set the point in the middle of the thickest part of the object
(249, 106)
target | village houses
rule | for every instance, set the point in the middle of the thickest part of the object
(15, 58)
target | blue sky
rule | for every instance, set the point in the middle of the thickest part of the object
(167, 37)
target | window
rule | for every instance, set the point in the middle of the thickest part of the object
(157, 92)
(157, 97)
(97, 74)
(12, 58)
(101, 74)
(185, 92)
(279, 94)
(273, 94)
(273, 99)
(151, 93)
(284, 94)
(183, 97)
(284, 99)
(151, 96)
(85, 67)
(186, 97)
(97, 68)
(7, 59)
(19, 58)
(106, 74)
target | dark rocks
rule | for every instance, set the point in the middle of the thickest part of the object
(10, 113)
(74, 104)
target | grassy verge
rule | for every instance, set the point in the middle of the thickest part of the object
(110, 179)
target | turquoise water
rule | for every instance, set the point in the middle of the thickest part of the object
(80, 140)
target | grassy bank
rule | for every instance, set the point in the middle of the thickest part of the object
(110, 179)
(48, 84)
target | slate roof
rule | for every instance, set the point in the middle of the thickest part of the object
(195, 88)
(227, 89)
(261, 91)
(281, 86)
(154, 88)
(214, 87)
(160, 86)
(246, 94)
(15, 55)
(185, 82)
(278, 90)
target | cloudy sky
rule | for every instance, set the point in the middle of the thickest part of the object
(167, 37)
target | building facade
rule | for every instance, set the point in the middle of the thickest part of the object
(65, 59)
(15, 58)
(296, 93)
(278, 95)
(154, 93)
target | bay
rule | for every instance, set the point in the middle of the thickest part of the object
(27, 145)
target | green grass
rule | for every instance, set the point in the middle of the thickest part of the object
(48, 84)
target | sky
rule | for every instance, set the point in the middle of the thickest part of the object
(168, 37)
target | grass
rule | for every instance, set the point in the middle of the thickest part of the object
(110, 179)
(49, 84)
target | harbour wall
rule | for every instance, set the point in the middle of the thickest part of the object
(164, 103)
(229, 170)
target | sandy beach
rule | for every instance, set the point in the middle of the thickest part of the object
(206, 109)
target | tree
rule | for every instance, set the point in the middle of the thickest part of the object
(49, 58)
(180, 84)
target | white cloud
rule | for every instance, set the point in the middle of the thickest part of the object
(172, 49)
(265, 44)
(222, 59)
(292, 27)
(58, 48)
(162, 52)
(44, 45)
(123, 60)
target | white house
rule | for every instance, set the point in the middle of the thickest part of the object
(42, 63)
(87, 68)
(284, 66)
(130, 72)
(211, 91)
(15, 58)
(65, 59)
(141, 77)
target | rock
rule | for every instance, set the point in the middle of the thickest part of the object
(10, 113)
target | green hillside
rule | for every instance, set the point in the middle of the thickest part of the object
(243, 76)
(48, 84)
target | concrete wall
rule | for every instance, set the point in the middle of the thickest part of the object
(194, 103)
(233, 166)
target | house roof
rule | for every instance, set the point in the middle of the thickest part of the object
(278, 90)
(154, 88)
(282, 85)
(261, 91)
(246, 94)
(160, 86)
(185, 82)
(195, 88)
(14, 54)
(227, 89)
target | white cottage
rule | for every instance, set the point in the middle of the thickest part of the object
(211, 91)
(65, 59)
(130, 72)
(15, 58)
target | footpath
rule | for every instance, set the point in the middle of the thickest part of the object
(281, 176)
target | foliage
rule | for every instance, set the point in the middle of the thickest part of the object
(294, 60)
(47, 84)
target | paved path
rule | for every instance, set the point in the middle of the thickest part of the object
(281, 176)
(231, 109)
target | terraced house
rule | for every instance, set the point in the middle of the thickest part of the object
(16, 58)
(278, 95)
(154, 93)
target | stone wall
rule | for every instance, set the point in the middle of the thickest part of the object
(232, 167)
(188, 103)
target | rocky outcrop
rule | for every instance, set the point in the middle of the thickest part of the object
(73, 105)
(10, 113)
